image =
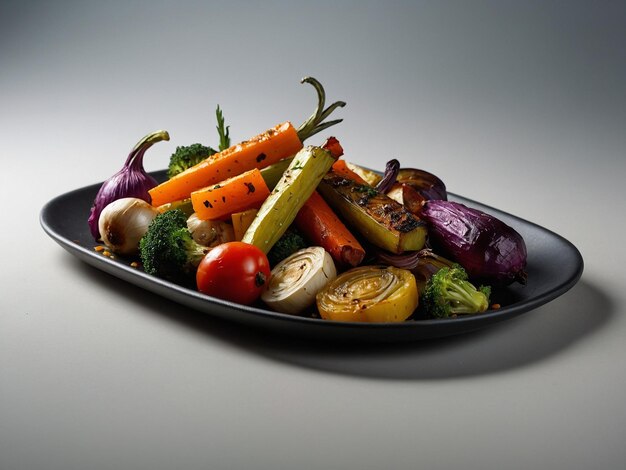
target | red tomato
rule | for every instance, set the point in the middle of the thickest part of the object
(234, 271)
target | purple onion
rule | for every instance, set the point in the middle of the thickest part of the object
(407, 260)
(411, 259)
(131, 181)
(423, 263)
(413, 187)
(489, 250)
(389, 178)
(429, 186)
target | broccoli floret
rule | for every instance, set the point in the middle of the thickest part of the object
(190, 155)
(290, 242)
(167, 249)
(186, 157)
(448, 293)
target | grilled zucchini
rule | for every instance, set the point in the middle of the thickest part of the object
(382, 221)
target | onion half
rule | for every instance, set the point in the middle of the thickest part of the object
(297, 279)
(369, 294)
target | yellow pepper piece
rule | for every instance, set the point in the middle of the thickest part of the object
(241, 222)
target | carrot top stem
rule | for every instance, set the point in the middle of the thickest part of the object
(315, 123)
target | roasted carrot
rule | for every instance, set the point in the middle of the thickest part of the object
(341, 168)
(334, 147)
(263, 150)
(244, 191)
(317, 222)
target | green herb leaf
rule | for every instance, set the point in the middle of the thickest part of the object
(221, 130)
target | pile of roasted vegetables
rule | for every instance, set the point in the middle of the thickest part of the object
(301, 230)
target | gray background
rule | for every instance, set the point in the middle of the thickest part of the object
(519, 105)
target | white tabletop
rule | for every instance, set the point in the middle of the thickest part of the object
(521, 107)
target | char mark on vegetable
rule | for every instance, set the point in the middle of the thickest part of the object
(407, 224)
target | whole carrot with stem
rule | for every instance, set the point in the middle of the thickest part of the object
(265, 149)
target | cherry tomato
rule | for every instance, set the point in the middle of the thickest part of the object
(234, 271)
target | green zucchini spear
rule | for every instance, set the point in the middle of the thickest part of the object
(293, 189)
(382, 221)
(273, 173)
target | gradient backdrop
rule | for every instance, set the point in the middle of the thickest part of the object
(520, 105)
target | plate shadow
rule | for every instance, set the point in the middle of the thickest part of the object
(519, 342)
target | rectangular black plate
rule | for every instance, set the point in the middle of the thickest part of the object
(554, 266)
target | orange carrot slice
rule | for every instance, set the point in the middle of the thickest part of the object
(341, 168)
(259, 152)
(235, 194)
(317, 222)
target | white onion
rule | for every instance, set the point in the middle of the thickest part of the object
(297, 279)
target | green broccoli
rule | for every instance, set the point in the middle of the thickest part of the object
(186, 157)
(290, 242)
(449, 293)
(167, 250)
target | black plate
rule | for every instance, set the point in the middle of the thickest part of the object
(554, 266)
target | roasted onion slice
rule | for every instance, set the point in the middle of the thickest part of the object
(413, 187)
(297, 279)
(369, 294)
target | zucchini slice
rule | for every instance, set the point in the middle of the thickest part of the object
(382, 221)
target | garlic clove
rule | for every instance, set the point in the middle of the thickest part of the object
(123, 222)
(210, 232)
